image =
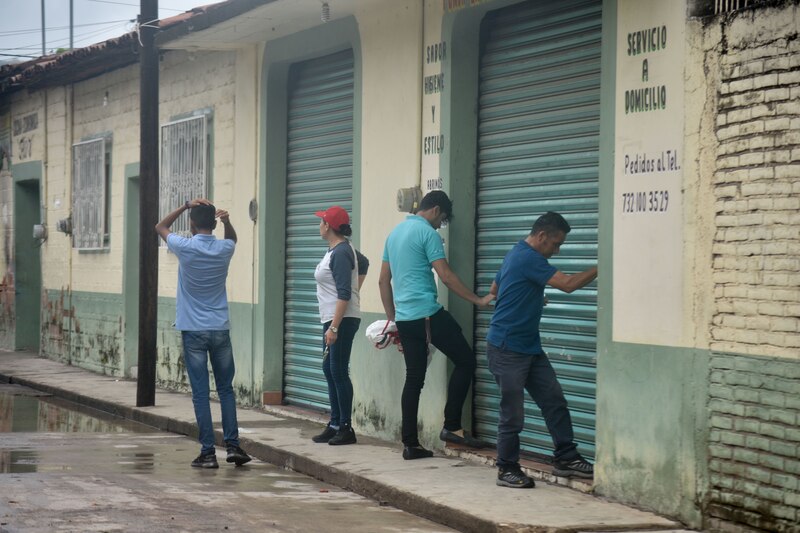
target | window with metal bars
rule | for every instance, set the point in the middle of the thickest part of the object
(91, 172)
(184, 167)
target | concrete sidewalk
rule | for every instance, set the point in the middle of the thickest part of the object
(450, 490)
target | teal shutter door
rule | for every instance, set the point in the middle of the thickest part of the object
(319, 175)
(538, 151)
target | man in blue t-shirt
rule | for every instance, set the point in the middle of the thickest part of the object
(409, 296)
(202, 318)
(516, 358)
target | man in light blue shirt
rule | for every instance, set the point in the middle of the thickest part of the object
(202, 318)
(409, 296)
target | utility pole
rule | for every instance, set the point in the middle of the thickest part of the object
(148, 204)
(44, 40)
(71, 25)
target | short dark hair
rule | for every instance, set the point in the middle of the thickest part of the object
(437, 199)
(204, 216)
(551, 222)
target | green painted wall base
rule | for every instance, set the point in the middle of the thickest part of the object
(88, 330)
(378, 377)
(652, 428)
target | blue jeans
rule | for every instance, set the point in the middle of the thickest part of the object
(515, 373)
(198, 347)
(336, 367)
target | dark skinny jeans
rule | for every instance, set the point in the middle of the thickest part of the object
(336, 367)
(446, 336)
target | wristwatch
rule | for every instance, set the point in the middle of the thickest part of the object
(334, 329)
(187, 204)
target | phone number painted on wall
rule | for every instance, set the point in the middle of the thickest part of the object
(645, 202)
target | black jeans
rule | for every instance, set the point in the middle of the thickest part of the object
(446, 335)
(515, 373)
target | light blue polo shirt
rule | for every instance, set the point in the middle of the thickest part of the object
(203, 267)
(410, 249)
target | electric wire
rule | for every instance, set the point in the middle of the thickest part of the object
(56, 43)
(133, 5)
(54, 28)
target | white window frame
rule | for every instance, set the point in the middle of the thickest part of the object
(184, 167)
(89, 194)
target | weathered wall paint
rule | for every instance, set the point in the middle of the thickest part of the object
(658, 462)
(7, 310)
(88, 330)
(756, 188)
(652, 428)
(84, 329)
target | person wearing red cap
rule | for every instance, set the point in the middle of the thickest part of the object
(339, 277)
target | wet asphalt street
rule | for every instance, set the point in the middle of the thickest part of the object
(64, 468)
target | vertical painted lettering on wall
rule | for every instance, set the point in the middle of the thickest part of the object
(434, 57)
(648, 175)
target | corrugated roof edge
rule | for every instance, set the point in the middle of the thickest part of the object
(90, 61)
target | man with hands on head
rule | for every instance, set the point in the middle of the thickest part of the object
(202, 318)
(409, 296)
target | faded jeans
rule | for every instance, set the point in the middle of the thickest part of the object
(515, 373)
(198, 348)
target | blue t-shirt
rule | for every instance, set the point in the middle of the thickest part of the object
(410, 249)
(203, 267)
(520, 298)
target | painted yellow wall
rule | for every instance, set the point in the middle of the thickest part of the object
(391, 50)
(195, 81)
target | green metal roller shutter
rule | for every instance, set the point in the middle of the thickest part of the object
(319, 174)
(538, 151)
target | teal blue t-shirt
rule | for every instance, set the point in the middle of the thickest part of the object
(410, 249)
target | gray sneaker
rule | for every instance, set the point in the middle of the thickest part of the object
(576, 467)
(514, 478)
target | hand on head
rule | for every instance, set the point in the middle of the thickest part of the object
(199, 201)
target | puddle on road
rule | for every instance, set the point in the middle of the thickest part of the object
(25, 411)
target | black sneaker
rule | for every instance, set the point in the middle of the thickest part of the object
(208, 460)
(514, 478)
(237, 455)
(467, 440)
(576, 467)
(416, 452)
(327, 434)
(345, 435)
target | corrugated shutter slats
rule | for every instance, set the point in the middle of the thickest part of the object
(319, 175)
(538, 151)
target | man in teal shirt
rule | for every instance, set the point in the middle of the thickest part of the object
(409, 296)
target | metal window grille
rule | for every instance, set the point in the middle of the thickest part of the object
(89, 194)
(723, 6)
(184, 167)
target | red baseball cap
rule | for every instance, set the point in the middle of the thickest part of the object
(335, 216)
